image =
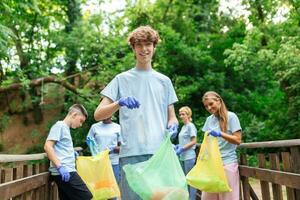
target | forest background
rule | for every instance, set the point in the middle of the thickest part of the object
(54, 53)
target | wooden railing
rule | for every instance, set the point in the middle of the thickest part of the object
(26, 177)
(278, 170)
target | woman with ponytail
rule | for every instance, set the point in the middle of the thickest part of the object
(224, 125)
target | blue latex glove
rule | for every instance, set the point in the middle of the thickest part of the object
(92, 145)
(129, 102)
(215, 133)
(111, 149)
(65, 175)
(76, 154)
(179, 150)
(173, 130)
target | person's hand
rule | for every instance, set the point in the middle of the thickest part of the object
(215, 133)
(65, 175)
(173, 130)
(179, 150)
(114, 149)
(129, 102)
(76, 154)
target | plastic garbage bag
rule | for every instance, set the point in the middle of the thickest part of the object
(160, 177)
(208, 174)
(97, 173)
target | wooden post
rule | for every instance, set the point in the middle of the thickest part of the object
(264, 185)
(245, 180)
(286, 161)
(295, 158)
(276, 188)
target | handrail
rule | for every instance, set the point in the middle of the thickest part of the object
(267, 144)
(271, 144)
(20, 186)
(4, 158)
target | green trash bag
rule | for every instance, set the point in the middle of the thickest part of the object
(160, 177)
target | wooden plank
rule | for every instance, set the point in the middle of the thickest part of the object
(17, 187)
(8, 175)
(265, 190)
(5, 158)
(253, 194)
(18, 174)
(25, 170)
(275, 165)
(271, 144)
(245, 180)
(2, 177)
(282, 178)
(286, 161)
(295, 158)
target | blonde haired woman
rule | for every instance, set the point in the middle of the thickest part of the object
(224, 125)
(186, 147)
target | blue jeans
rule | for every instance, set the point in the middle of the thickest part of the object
(187, 165)
(126, 192)
(116, 170)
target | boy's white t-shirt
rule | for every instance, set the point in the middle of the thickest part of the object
(143, 129)
(63, 148)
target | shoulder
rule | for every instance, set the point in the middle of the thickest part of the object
(232, 115)
(161, 76)
(115, 124)
(59, 124)
(192, 125)
(210, 117)
(98, 124)
(125, 74)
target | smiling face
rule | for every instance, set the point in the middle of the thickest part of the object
(212, 105)
(143, 51)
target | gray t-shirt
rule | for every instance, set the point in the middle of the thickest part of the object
(227, 149)
(186, 133)
(143, 129)
(63, 148)
(106, 136)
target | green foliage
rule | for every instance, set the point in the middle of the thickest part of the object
(37, 148)
(256, 70)
(4, 121)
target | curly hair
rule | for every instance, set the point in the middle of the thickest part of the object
(143, 33)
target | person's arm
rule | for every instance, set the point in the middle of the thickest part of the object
(48, 147)
(172, 119)
(235, 138)
(190, 144)
(105, 109)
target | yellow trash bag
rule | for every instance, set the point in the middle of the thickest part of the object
(97, 173)
(208, 174)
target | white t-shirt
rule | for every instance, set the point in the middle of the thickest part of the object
(186, 133)
(143, 129)
(63, 148)
(227, 149)
(106, 136)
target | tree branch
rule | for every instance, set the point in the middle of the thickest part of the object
(38, 82)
